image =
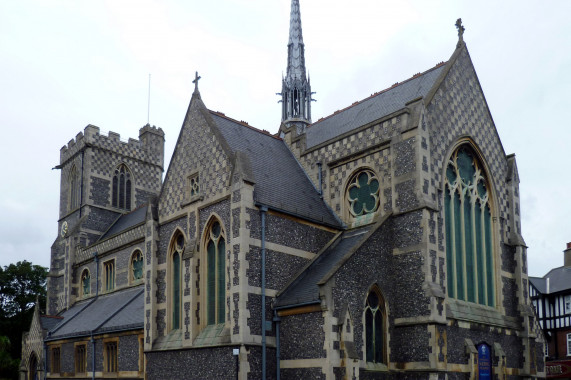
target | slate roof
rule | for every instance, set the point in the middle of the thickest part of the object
(126, 221)
(280, 181)
(559, 281)
(373, 108)
(121, 310)
(48, 322)
(305, 289)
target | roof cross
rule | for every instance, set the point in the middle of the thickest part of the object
(195, 81)
(460, 28)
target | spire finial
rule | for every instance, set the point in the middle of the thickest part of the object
(195, 81)
(461, 29)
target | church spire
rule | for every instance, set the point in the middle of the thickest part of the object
(296, 90)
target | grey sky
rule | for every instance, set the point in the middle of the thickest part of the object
(66, 64)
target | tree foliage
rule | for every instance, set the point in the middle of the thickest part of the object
(20, 284)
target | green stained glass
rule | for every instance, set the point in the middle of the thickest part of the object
(480, 249)
(86, 283)
(216, 276)
(489, 260)
(469, 249)
(465, 166)
(176, 291)
(363, 193)
(451, 278)
(459, 253)
(451, 174)
(481, 189)
(468, 230)
(138, 266)
(211, 285)
(221, 297)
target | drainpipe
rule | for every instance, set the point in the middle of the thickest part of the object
(263, 210)
(320, 177)
(277, 320)
(45, 359)
(96, 295)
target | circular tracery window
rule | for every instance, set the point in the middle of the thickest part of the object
(363, 193)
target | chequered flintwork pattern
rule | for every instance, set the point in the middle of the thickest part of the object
(145, 176)
(457, 109)
(197, 149)
(378, 161)
(357, 142)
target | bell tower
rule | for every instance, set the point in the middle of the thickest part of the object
(296, 89)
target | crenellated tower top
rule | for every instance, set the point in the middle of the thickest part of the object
(296, 89)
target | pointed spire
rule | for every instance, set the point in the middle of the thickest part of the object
(296, 90)
(296, 48)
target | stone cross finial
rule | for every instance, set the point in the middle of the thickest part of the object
(460, 28)
(195, 81)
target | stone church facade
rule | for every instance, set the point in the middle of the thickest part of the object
(382, 241)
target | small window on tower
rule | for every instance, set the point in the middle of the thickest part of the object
(121, 197)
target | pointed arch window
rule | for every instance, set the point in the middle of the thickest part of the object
(215, 274)
(121, 197)
(177, 250)
(468, 220)
(363, 193)
(85, 283)
(375, 327)
(137, 266)
(74, 189)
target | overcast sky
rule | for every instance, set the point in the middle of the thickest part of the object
(67, 64)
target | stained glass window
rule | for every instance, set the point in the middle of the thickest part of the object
(109, 275)
(121, 197)
(375, 327)
(137, 265)
(215, 278)
(363, 193)
(467, 208)
(178, 249)
(85, 282)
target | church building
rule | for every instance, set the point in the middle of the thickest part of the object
(382, 241)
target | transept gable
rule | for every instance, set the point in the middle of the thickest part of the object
(456, 109)
(201, 155)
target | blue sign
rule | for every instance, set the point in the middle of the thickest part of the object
(484, 362)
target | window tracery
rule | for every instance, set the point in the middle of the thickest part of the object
(375, 338)
(121, 197)
(468, 220)
(363, 193)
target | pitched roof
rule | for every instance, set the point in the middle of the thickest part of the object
(121, 310)
(559, 280)
(48, 322)
(372, 108)
(280, 181)
(305, 288)
(126, 221)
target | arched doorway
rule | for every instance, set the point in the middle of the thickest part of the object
(33, 367)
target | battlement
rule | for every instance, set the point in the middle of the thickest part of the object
(153, 129)
(136, 148)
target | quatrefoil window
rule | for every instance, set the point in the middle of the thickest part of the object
(363, 193)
